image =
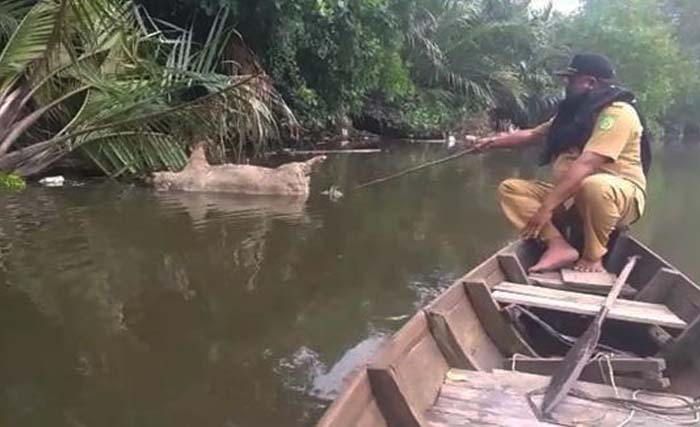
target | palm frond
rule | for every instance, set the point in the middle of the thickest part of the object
(138, 94)
(478, 49)
(29, 42)
(11, 13)
(132, 152)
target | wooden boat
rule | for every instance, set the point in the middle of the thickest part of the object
(468, 359)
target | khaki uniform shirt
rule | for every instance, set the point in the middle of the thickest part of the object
(617, 136)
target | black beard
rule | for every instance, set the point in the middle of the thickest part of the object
(571, 92)
(573, 100)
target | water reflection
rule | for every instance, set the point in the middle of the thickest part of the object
(248, 253)
(672, 223)
(121, 306)
(200, 206)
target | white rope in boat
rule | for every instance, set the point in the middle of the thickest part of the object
(688, 403)
(514, 359)
(600, 357)
(669, 414)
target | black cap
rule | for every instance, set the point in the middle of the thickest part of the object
(590, 64)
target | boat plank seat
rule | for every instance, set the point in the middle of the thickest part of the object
(578, 282)
(594, 280)
(575, 302)
(499, 398)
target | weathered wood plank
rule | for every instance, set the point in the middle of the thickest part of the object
(660, 336)
(490, 271)
(447, 341)
(497, 326)
(392, 398)
(659, 286)
(553, 280)
(650, 262)
(471, 398)
(685, 348)
(444, 336)
(519, 382)
(646, 373)
(407, 373)
(355, 406)
(684, 299)
(574, 302)
(472, 401)
(483, 271)
(651, 365)
(682, 296)
(459, 333)
(455, 417)
(512, 268)
(494, 278)
(592, 280)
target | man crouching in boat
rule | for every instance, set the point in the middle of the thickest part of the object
(600, 154)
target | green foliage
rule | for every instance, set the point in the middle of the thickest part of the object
(328, 57)
(395, 78)
(98, 77)
(325, 56)
(642, 40)
(429, 111)
(685, 15)
(12, 182)
(489, 53)
(338, 50)
(132, 102)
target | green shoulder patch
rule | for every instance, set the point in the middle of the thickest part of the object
(606, 122)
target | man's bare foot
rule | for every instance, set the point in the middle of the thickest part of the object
(559, 254)
(589, 266)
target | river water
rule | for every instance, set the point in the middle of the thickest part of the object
(120, 306)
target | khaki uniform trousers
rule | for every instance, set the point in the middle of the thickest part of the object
(604, 202)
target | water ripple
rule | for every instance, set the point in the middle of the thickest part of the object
(305, 372)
